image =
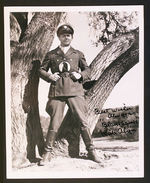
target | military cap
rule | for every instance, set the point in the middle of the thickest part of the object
(64, 29)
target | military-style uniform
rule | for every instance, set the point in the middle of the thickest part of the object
(66, 85)
(66, 90)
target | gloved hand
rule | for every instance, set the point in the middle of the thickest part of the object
(54, 77)
(76, 75)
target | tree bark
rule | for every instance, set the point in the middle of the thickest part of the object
(15, 29)
(122, 56)
(107, 69)
(26, 127)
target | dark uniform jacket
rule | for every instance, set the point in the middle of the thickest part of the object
(65, 64)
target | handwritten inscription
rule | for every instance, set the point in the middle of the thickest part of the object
(122, 123)
(97, 111)
(118, 121)
(119, 131)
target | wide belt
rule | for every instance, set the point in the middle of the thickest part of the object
(68, 74)
(65, 74)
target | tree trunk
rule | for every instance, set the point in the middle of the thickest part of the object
(123, 54)
(26, 127)
(15, 29)
(107, 69)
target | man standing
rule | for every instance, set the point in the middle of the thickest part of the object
(68, 71)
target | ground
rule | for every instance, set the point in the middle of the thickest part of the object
(119, 158)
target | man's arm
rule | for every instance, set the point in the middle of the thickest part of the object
(85, 70)
(43, 71)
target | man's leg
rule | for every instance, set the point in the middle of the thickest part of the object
(55, 109)
(78, 107)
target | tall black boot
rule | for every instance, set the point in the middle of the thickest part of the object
(86, 135)
(48, 149)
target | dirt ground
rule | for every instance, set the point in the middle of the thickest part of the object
(118, 159)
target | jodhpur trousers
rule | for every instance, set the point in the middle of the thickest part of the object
(55, 108)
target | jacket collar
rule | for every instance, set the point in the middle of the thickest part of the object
(69, 52)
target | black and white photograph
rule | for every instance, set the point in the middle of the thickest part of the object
(74, 91)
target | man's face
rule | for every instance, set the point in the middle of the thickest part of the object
(65, 39)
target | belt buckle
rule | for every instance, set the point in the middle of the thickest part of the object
(65, 74)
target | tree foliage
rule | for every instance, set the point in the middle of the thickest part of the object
(105, 26)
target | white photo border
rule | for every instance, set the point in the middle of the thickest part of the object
(15, 175)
